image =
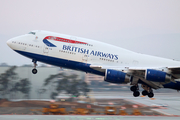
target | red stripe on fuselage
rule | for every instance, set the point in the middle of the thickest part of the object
(64, 40)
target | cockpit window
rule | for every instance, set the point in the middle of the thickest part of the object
(32, 33)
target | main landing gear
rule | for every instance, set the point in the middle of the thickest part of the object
(34, 71)
(135, 90)
(149, 94)
(147, 91)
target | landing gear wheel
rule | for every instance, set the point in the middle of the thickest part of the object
(150, 95)
(136, 93)
(144, 92)
(34, 71)
(133, 88)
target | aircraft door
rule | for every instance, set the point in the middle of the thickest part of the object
(46, 49)
(25, 46)
(85, 58)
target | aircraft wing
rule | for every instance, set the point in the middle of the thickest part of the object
(139, 72)
(174, 70)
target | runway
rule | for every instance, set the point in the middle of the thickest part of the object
(80, 117)
(172, 100)
(172, 111)
(173, 104)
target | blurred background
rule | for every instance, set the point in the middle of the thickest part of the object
(150, 27)
(18, 82)
(144, 26)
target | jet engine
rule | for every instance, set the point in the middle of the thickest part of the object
(157, 76)
(173, 85)
(115, 76)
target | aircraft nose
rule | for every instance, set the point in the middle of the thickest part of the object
(9, 42)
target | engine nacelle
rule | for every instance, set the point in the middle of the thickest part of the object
(173, 85)
(157, 76)
(115, 76)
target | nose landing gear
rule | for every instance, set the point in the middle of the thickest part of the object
(34, 71)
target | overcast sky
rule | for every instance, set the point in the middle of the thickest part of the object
(145, 26)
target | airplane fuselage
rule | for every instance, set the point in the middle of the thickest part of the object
(90, 56)
(70, 51)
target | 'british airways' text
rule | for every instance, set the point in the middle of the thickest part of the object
(90, 52)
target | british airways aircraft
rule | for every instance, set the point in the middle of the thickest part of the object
(116, 64)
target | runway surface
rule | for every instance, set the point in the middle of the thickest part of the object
(173, 104)
(86, 117)
(172, 100)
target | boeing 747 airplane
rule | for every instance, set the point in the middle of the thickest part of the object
(116, 64)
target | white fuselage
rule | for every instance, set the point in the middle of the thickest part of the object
(71, 51)
(116, 64)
